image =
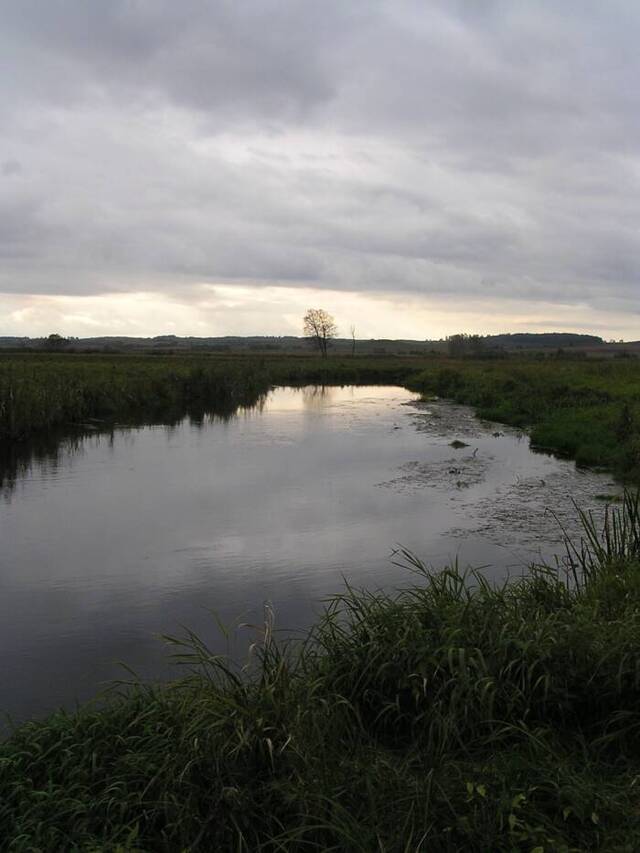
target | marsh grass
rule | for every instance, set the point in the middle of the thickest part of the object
(586, 410)
(42, 392)
(451, 715)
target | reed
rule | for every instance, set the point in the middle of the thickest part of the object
(39, 393)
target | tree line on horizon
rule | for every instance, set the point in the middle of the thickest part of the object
(320, 330)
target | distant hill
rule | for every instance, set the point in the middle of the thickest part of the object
(228, 343)
(528, 340)
(288, 343)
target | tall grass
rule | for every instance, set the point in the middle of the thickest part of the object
(39, 393)
(588, 410)
(451, 715)
(613, 546)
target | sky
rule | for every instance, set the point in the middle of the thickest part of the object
(416, 168)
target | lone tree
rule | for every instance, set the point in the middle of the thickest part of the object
(319, 327)
(55, 342)
(460, 345)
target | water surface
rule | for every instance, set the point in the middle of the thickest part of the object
(114, 539)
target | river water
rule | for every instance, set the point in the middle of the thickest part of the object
(114, 539)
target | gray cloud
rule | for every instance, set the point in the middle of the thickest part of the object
(10, 167)
(450, 148)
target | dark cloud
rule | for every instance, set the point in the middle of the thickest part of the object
(450, 148)
(251, 61)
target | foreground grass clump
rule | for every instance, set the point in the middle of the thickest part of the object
(449, 716)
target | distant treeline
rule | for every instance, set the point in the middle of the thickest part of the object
(456, 345)
(461, 344)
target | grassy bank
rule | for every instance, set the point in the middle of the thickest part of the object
(40, 393)
(586, 410)
(450, 716)
(43, 392)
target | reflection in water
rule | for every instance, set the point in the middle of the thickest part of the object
(111, 538)
(316, 397)
(44, 451)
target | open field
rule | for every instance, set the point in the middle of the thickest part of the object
(588, 410)
(448, 716)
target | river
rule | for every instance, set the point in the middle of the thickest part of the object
(117, 538)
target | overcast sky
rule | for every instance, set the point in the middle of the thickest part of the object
(417, 168)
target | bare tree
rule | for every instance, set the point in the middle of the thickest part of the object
(352, 330)
(319, 327)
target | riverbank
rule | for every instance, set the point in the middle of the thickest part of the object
(584, 409)
(41, 392)
(448, 716)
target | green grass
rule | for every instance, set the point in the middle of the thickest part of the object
(586, 410)
(452, 715)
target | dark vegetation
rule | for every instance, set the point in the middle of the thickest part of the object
(41, 392)
(289, 344)
(450, 716)
(586, 409)
(51, 401)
